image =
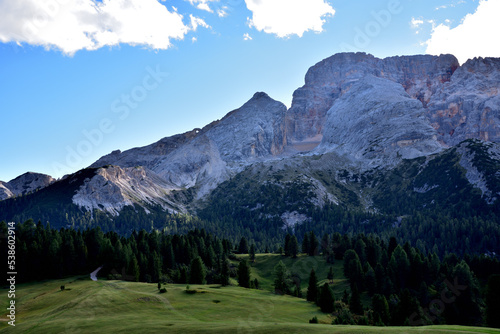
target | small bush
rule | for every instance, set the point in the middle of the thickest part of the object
(314, 320)
(63, 287)
(163, 290)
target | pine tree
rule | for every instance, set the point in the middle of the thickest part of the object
(252, 253)
(135, 269)
(380, 309)
(197, 271)
(280, 281)
(243, 246)
(355, 305)
(225, 272)
(244, 274)
(326, 299)
(293, 247)
(313, 244)
(305, 244)
(312, 288)
(286, 246)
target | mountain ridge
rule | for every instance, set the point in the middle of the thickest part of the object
(358, 112)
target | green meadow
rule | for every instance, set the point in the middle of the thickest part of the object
(107, 306)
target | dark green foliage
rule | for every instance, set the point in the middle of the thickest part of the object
(244, 274)
(326, 299)
(314, 320)
(330, 275)
(281, 285)
(381, 314)
(312, 288)
(291, 246)
(63, 287)
(355, 305)
(252, 253)
(225, 269)
(243, 246)
(493, 302)
(197, 271)
(163, 290)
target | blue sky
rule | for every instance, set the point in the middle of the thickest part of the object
(81, 78)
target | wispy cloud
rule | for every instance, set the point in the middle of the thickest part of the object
(203, 4)
(288, 17)
(450, 5)
(473, 37)
(415, 24)
(70, 26)
(247, 37)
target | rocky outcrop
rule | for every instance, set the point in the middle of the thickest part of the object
(24, 184)
(328, 80)
(469, 105)
(378, 123)
(112, 188)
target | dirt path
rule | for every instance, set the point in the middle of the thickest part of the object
(93, 275)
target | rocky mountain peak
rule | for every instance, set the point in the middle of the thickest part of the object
(468, 106)
(329, 79)
(24, 184)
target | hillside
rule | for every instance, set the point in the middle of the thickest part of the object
(124, 307)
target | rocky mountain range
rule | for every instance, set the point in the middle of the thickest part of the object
(355, 115)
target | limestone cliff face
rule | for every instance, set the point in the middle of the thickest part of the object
(328, 80)
(378, 123)
(113, 188)
(469, 105)
(24, 184)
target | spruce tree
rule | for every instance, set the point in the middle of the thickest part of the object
(252, 253)
(381, 312)
(313, 244)
(197, 271)
(280, 279)
(293, 247)
(355, 305)
(243, 246)
(326, 299)
(312, 288)
(305, 244)
(224, 272)
(244, 274)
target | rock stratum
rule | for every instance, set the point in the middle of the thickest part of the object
(354, 113)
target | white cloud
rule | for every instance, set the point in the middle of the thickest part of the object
(222, 11)
(194, 39)
(247, 37)
(450, 5)
(474, 37)
(202, 4)
(73, 25)
(197, 22)
(416, 23)
(288, 17)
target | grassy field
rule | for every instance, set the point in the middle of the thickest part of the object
(105, 306)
